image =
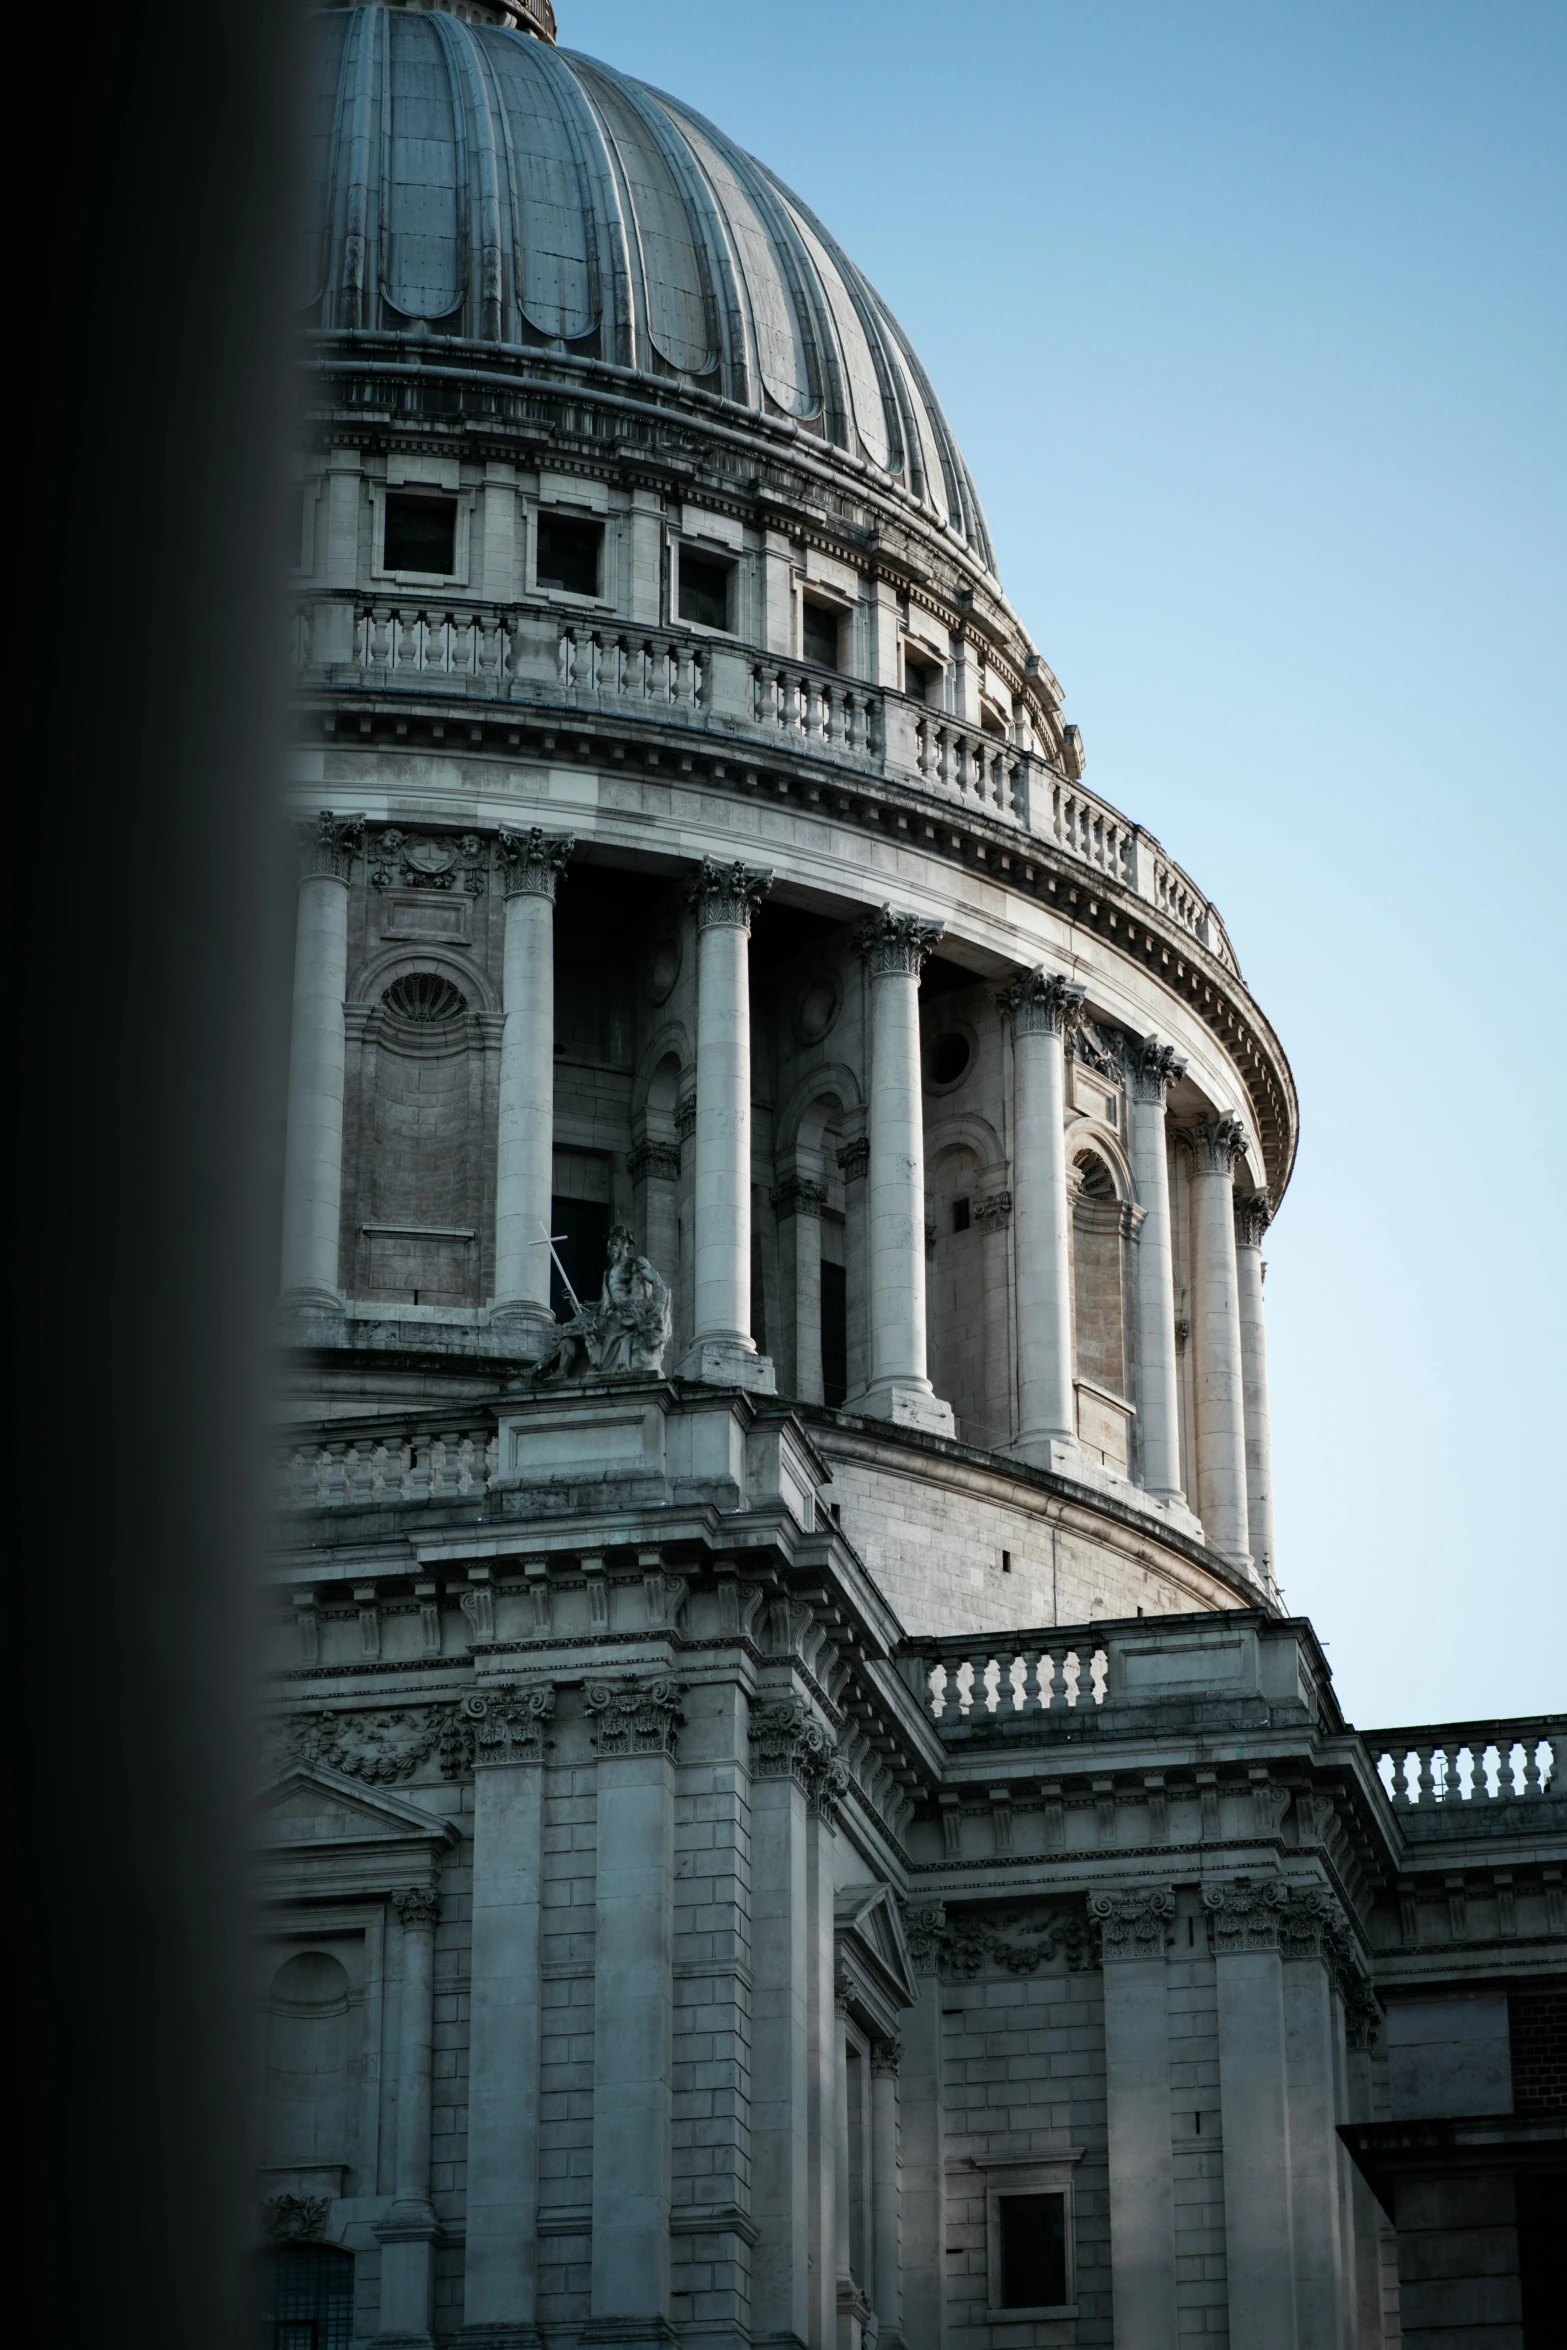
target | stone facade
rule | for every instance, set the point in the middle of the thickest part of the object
(795, 1814)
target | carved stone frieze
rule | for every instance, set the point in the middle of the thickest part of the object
(1252, 1217)
(958, 1948)
(1042, 1003)
(379, 1747)
(416, 860)
(893, 942)
(726, 894)
(1139, 1923)
(328, 845)
(417, 1905)
(633, 1717)
(531, 863)
(510, 1725)
(1153, 1068)
(295, 2219)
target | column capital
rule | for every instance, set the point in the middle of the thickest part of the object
(1245, 1915)
(632, 1717)
(417, 1905)
(1252, 1218)
(726, 894)
(1153, 1068)
(854, 1160)
(657, 1160)
(510, 1725)
(1139, 1923)
(328, 844)
(1215, 1145)
(1043, 1003)
(993, 1213)
(798, 1196)
(532, 862)
(886, 2057)
(788, 1742)
(893, 942)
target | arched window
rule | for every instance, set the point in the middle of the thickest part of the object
(307, 2298)
(1100, 1291)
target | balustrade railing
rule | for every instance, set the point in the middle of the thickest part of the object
(984, 1682)
(409, 640)
(970, 764)
(632, 665)
(814, 711)
(1095, 833)
(398, 1468)
(1469, 1762)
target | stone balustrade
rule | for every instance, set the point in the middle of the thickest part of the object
(985, 1681)
(382, 1467)
(1455, 1763)
(516, 652)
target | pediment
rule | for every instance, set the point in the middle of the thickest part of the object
(309, 1806)
(870, 1937)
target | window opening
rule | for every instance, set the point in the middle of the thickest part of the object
(835, 1335)
(819, 635)
(916, 681)
(704, 590)
(960, 1217)
(1033, 2251)
(584, 1225)
(949, 1057)
(421, 533)
(1006, 1562)
(307, 2298)
(569, 555)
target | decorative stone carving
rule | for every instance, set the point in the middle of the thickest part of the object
(685, 1119)
(854, 1160)
(425, 997)
(378, 1748)
(1252, 1217)
(633, 1717)
(1362, 2015)
(1245, 1915)
(1215, 1144)
(1043, 1003)
(531, 863)
(1153, 1068)
(726, 894)
(329, 846)
(799, 1197)
(886, 2057)
(478, 1605)
(666, 1598)
(897, 942)
(295, 2219)
(626, 1333)
(1136, 1924)
(993, 1213)
(405, 860)
(511, 1725)
(958, 1948)
(654, 1161)
(787, 1741)
(416, 1905)
(1101, 1049)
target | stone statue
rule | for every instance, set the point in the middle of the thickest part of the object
(626, 1333)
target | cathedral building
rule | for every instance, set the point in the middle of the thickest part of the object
(796, 1813)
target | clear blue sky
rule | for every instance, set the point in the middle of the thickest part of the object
(1249, 320)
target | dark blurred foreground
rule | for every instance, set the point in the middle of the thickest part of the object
(152, 148)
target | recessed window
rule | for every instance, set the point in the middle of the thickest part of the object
(704, 590)
(421, 533)
(1032, 2247)
(569, 554)
(307, 2298)
(916, 681)
(960, 1215)
(819, 634)
(949, 1057)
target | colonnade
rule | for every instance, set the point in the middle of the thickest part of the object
(1228, 1388)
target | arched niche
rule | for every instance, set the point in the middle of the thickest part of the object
(311, 2031)
(1102, 1218)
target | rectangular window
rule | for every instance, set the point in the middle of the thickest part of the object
(421, 534)
(916, 681)
(569, 554)
(835, 1334)
(583, 1226)
(819, 634)
(704, 590)
(960, 1215)
(1032, 2230)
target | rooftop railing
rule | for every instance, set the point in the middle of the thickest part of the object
(1449, 1765)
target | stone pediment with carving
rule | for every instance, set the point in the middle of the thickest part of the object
(321, 1833)
(874, 1967)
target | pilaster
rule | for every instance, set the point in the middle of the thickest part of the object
(1136, 1929)
(1245, 1927)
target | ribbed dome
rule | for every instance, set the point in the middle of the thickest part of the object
(471, 180)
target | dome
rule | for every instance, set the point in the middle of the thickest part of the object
(474, 180)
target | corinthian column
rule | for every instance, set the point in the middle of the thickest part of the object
(1043, 1006)
(1153, 1068)
(313, 1155)
(723, 899)
(407, 2234)
(531, 864)
(895, 947)
(1216, 1144)
(1251, 1222)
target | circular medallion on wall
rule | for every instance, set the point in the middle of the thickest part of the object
(663, 969)
(949, 1056)
(817, 1010)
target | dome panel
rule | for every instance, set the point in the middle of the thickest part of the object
(864, 384)
(320, 143)
(423, 269)
(551, 222)
(780, 346)
(674, 280)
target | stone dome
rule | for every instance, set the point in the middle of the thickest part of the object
(473, 180)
